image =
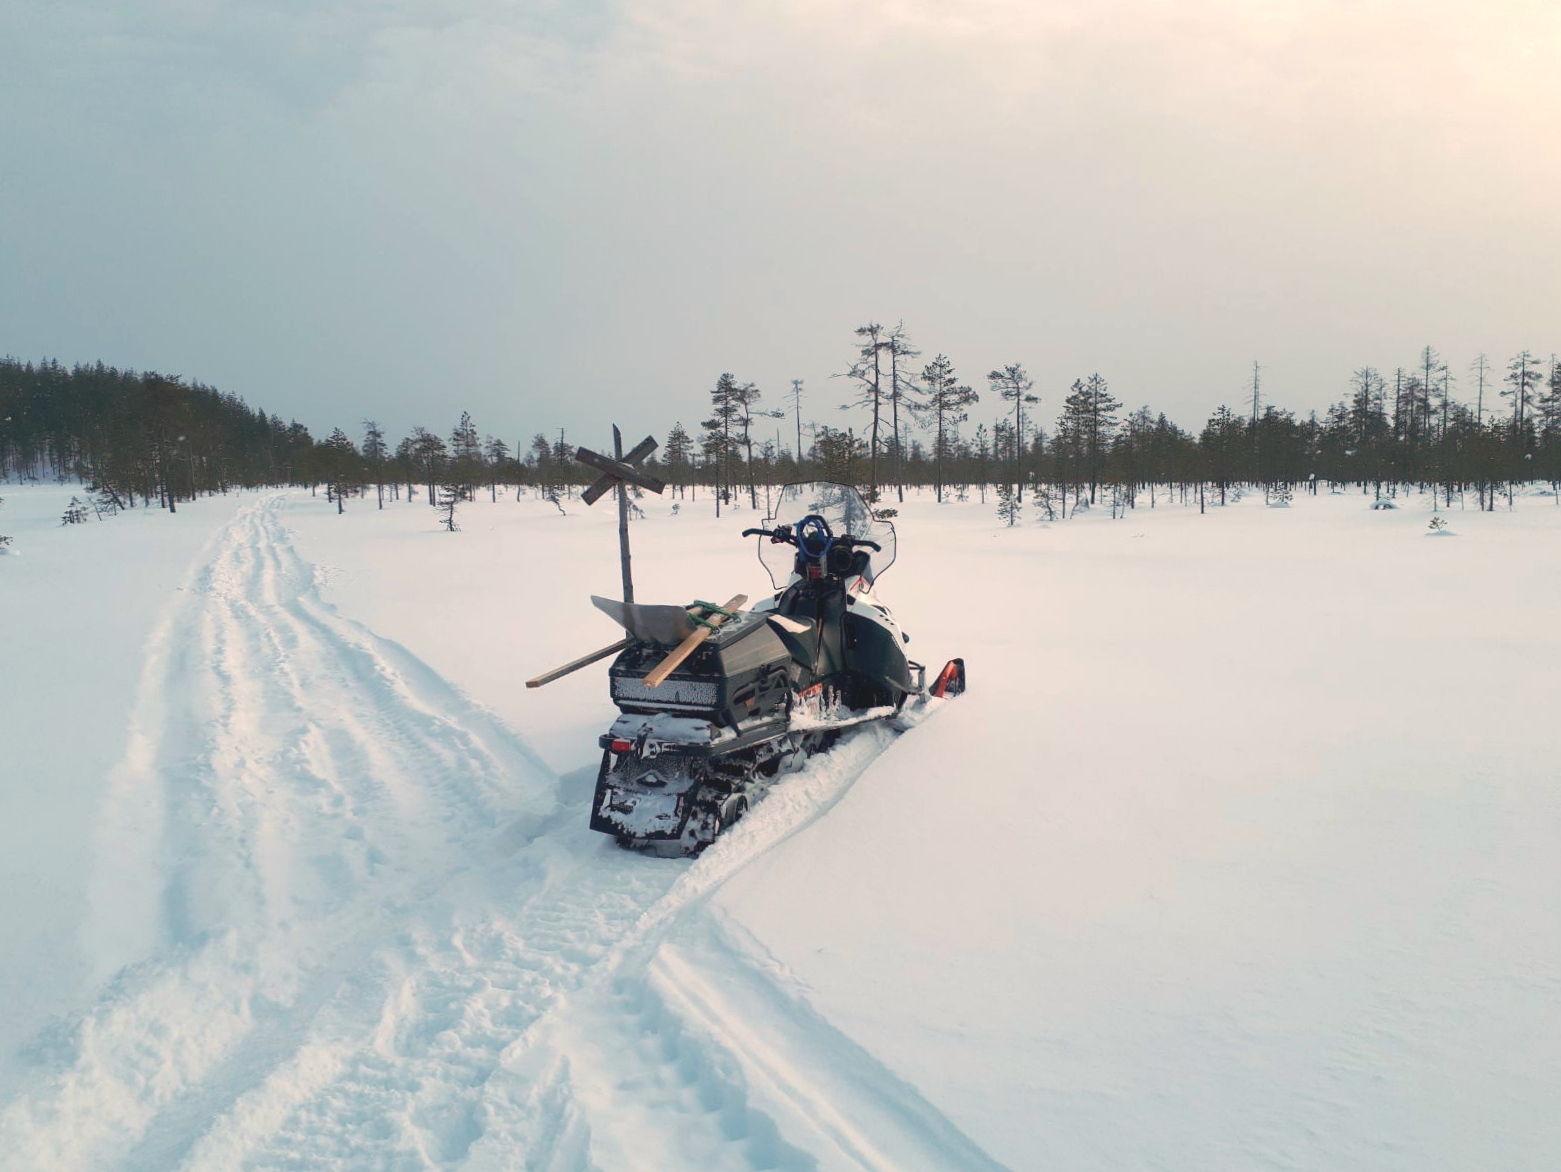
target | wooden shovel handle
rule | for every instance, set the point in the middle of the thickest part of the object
(576, 664)
(686, 648)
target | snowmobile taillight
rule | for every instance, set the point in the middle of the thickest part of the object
(815, 570)
(622, 746)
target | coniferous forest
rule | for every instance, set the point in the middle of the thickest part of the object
(145, 440)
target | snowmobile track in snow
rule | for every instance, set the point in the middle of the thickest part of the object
(361, 928)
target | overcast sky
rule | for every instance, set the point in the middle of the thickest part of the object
(560, 214)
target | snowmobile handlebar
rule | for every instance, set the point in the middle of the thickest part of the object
(782, 534)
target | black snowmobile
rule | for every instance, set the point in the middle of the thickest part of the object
(716, 699)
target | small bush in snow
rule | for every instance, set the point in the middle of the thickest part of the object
(1280, 496)
(1008, 506)
(75, 512)
(1438, 526)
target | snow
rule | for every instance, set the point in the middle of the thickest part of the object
(1242, 849)
(79, 603)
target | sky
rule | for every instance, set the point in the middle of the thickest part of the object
(564, 215)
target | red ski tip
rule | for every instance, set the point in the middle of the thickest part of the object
(951, 680)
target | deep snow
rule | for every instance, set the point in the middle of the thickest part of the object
(1242, 850)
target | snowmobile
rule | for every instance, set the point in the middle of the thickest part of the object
(716, 700)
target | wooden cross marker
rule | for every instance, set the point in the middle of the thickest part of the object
(620, 472)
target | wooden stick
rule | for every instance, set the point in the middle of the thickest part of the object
(577, 664)
(620, 470)
(623, 522)
(686, 648)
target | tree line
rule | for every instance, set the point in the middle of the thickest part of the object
(136, 439)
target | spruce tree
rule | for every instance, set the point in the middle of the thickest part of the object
(1099, 422)
(466, 456)
(1008, 506)
(719, 444)
(339, 464)
(677, 453)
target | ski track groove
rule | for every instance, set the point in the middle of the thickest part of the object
(383, 941)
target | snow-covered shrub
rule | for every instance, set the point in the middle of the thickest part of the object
(1280, 496)
(75, 512)
(1384, 503)
(1438, 526)
(1008, 507)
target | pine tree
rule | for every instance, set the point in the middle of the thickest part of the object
(429, 452)
(795, 395)
(1220, 441)
(1013, 385)
(902, 392)
(983, 457)
(946, 402)
(1549, 410)
(838, 454)
(563, 454)
(495, 456)
(374, 456)
(746, 397)
(867, 373)
(1523, 375)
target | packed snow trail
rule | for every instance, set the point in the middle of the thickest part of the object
(362, 926)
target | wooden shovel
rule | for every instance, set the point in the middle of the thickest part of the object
(686, 648)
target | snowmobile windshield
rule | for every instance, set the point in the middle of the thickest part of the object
(842, 510)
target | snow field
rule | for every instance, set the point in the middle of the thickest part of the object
(77, 605)
(1241, 851)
